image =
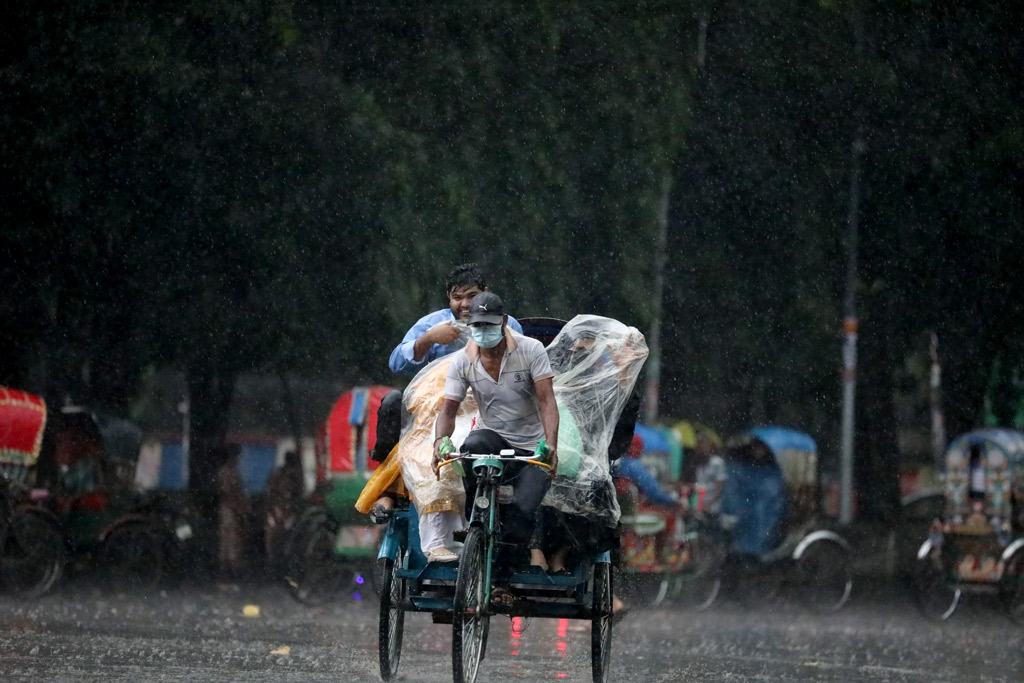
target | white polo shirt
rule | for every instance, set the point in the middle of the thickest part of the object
(508, 406)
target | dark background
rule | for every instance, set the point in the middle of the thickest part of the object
(227, 187)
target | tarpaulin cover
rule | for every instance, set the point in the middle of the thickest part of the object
(352, 429)
(22, 420)
(756, 492)
(596, 362)
(654, 441)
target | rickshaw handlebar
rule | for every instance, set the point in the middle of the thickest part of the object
(531, 459)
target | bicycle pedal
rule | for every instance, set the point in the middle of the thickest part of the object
(460, 535)
(505, 493)
(441, 617)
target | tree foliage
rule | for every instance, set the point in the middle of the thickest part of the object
(239, 186)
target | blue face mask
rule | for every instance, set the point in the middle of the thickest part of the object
(486, 336)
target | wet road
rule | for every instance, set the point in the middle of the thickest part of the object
(201, 634)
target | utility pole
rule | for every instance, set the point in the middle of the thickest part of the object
(850, 308)
(935, 400)
(653, 384)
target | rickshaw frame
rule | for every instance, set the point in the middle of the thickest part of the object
(461, 594)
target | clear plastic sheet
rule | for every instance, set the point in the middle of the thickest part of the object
(422, 401)
(596, 361)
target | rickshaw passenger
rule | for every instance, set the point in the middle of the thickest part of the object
(434, 336)
(632, 469)
(589, 379)
(511, 378)
(710, 474)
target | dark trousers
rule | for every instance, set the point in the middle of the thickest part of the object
(389, 425)
(529, 484)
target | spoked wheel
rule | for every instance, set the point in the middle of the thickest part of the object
(392, 618)
(646, 589)
(1011, 588)
(935, 587)
(601, 623)
(700, 585)
(321, 576)
(470, 618)
(133, 555)
(31, 555)
(823, 576)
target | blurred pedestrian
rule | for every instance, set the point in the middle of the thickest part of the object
(284, 492)
(232, 513)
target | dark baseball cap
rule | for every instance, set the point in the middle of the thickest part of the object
(486, 307)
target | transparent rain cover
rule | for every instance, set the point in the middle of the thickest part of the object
(422, 401)
(596, 362)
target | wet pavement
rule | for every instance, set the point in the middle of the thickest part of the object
(201, 633)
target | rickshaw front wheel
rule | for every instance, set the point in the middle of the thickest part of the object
(601, 623)
(470, 618)
(392, 618)
(133, 554)
(824, 577)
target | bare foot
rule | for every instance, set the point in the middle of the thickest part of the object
(558, 560)
(537, 559)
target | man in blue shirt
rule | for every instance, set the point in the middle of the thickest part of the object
(632, 469)
(433, 336)
(445, 331)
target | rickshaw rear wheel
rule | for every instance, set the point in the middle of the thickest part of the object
(824, 578)
(133, 554)
(392, 618)
(601, 623)
(935, 591)
(31, 555)
(469, 621)
(321, 576)
(1011, 588)
(699, 587)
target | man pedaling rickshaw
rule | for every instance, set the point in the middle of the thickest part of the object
(596, 361)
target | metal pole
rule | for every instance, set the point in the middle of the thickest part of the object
(935, 399)
(652, 388)
(850, 309)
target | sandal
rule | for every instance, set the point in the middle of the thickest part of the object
(501, 597)
(379, 514)
(441, 554)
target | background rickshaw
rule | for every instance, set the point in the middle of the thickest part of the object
(330, 547)
(136, 539)
(978, 543)
(31, 548)
(667, 553)
(771, 513)
(462, 595)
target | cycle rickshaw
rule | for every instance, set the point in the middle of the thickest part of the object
(770, 512)
(593, 380)
(31, 548)
(668, 553)
(978, 544)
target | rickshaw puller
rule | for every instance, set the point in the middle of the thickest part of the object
(511, 378)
